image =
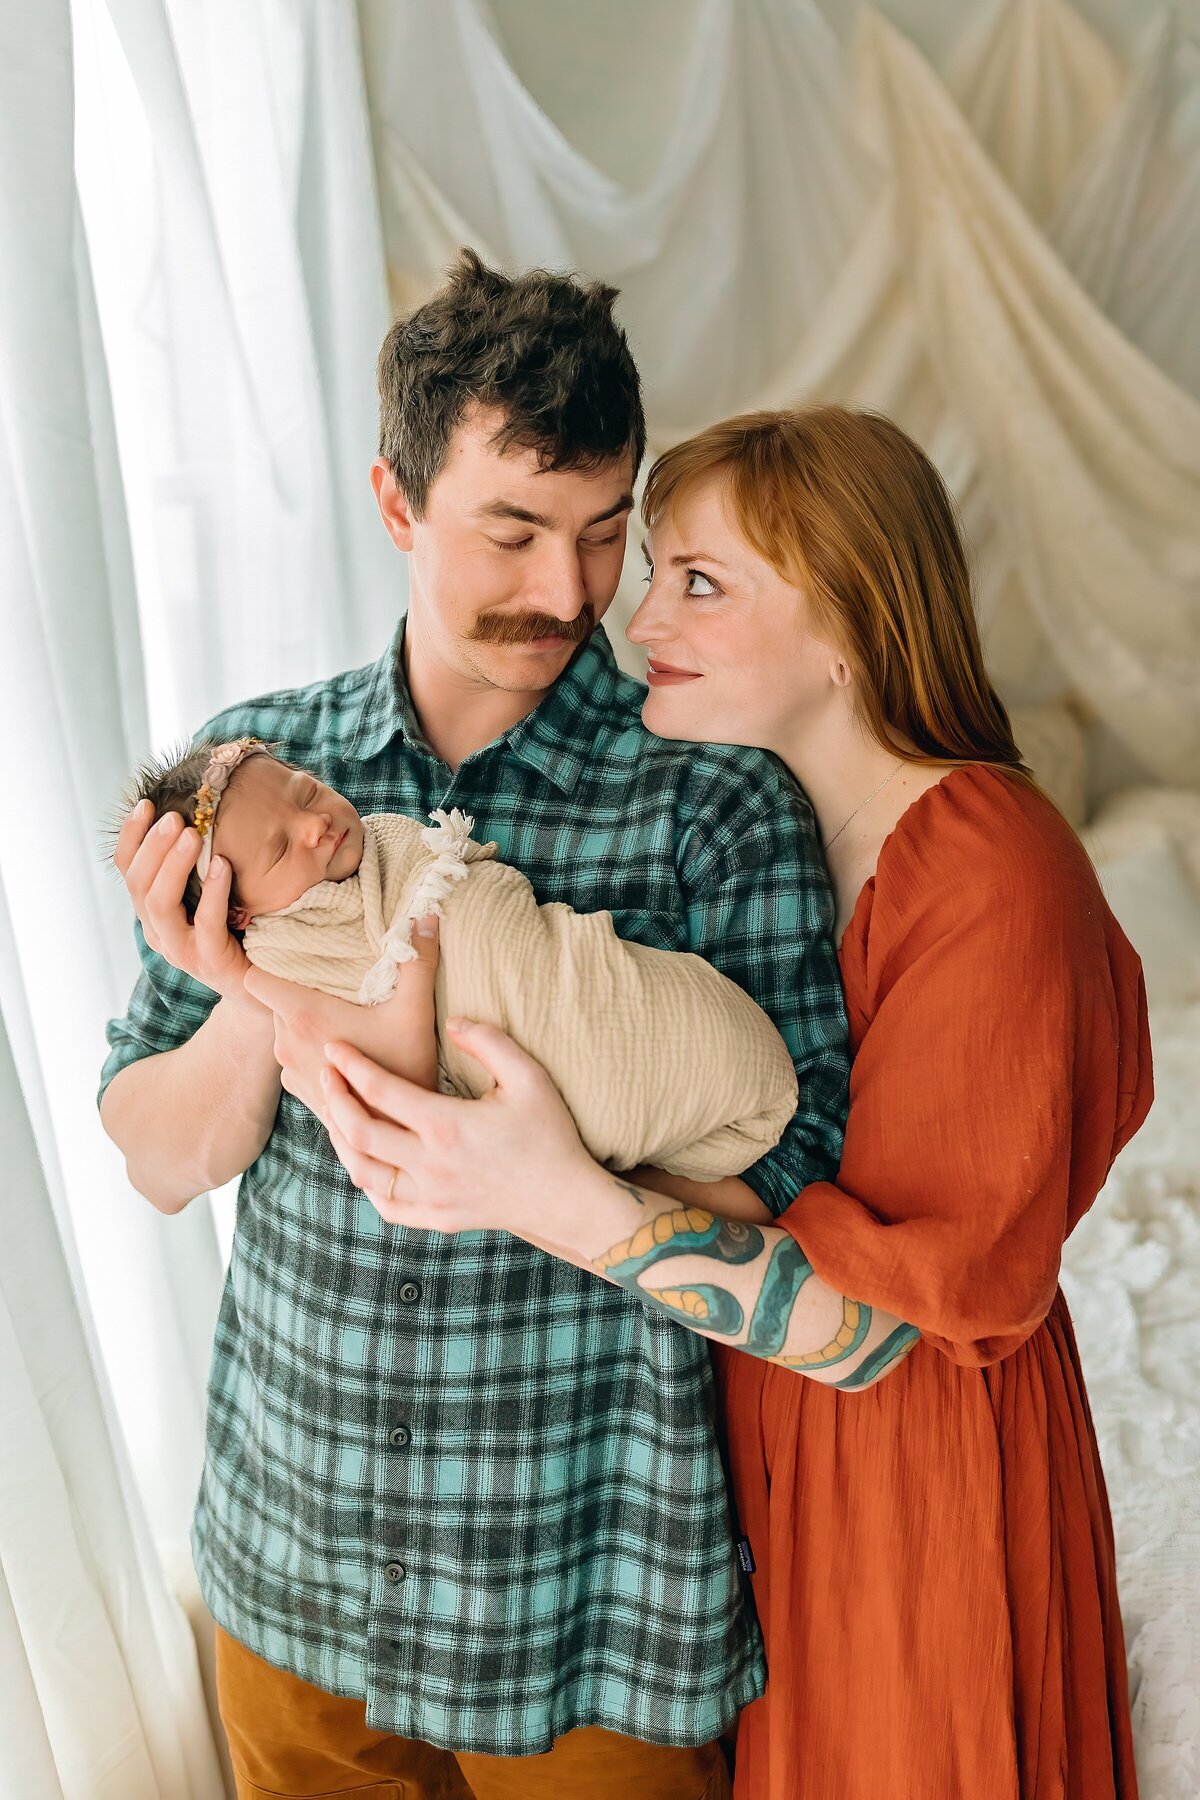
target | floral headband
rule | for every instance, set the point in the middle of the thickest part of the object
(224, 760)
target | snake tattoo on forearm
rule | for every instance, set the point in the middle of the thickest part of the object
(691, 1231)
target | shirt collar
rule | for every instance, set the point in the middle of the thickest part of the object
(556, 740)
(385, 708)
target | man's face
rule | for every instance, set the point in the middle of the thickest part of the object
(512, 567)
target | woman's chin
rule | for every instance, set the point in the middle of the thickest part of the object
(666, 718)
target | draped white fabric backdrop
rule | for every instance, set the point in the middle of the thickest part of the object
(983, 218)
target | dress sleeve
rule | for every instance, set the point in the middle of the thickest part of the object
(989, 1094)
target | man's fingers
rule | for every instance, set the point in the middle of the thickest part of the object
(404, 1027)
(132, 832)
(215, 944)
(425, 941)
(164, 898)
(149, 855)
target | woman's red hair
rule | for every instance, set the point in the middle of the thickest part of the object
(844, 505)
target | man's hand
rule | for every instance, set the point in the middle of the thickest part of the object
(400, 1034)
(155, 862)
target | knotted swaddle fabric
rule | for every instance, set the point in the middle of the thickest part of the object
(660, 1058)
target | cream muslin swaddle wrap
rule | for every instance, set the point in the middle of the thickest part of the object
(660, 1058)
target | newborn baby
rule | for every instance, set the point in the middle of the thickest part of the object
(661, 1059)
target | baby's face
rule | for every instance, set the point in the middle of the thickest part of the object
(282, 831)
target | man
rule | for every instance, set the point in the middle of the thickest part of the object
(439, 1523)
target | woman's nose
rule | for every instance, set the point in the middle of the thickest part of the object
(651, 622)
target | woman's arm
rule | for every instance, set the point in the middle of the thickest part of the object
(747, 1285)
(513, 1161)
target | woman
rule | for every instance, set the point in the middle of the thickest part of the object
(935, 1569)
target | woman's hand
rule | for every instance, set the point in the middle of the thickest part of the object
(506, 1161)
(400, 1034)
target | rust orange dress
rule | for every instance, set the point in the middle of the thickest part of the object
(935, 1572)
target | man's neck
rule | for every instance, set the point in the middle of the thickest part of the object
(459, 715)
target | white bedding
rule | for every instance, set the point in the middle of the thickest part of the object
(1131, 1273)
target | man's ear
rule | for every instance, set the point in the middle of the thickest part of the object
(393, 507)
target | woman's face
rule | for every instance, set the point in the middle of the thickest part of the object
(735, 655)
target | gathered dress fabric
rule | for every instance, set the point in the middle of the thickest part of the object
(935, 1574)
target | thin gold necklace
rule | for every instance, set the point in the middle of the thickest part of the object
(837, 834)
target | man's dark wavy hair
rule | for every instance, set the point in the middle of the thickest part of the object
(542, 349)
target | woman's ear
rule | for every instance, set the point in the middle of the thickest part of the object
(840, 672)
(394, 509)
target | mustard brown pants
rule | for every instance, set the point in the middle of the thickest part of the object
(292, 1741)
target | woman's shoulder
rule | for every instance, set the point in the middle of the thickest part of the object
(987, 850)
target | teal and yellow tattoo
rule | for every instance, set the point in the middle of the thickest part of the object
(691, 1231)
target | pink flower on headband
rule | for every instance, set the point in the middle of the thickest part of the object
(221, 765)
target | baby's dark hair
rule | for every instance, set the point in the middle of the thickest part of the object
(171, 783)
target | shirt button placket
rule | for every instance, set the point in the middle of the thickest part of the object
(400, 1437)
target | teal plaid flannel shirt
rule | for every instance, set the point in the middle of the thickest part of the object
(452, 1475)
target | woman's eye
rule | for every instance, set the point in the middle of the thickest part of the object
(512, 543)
(708, 585)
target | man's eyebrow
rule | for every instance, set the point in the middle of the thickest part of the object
(624, 504)
(507, 509)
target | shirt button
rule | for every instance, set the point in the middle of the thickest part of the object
(399, 1436)
(395, 1571)
(410, 1291)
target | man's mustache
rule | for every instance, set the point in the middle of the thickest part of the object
(524, 628)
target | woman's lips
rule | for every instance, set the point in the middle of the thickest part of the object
(663, 675)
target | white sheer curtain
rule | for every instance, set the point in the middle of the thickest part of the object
(105, 1697)
(100, 1697)
(243, 299)
(224, 167)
